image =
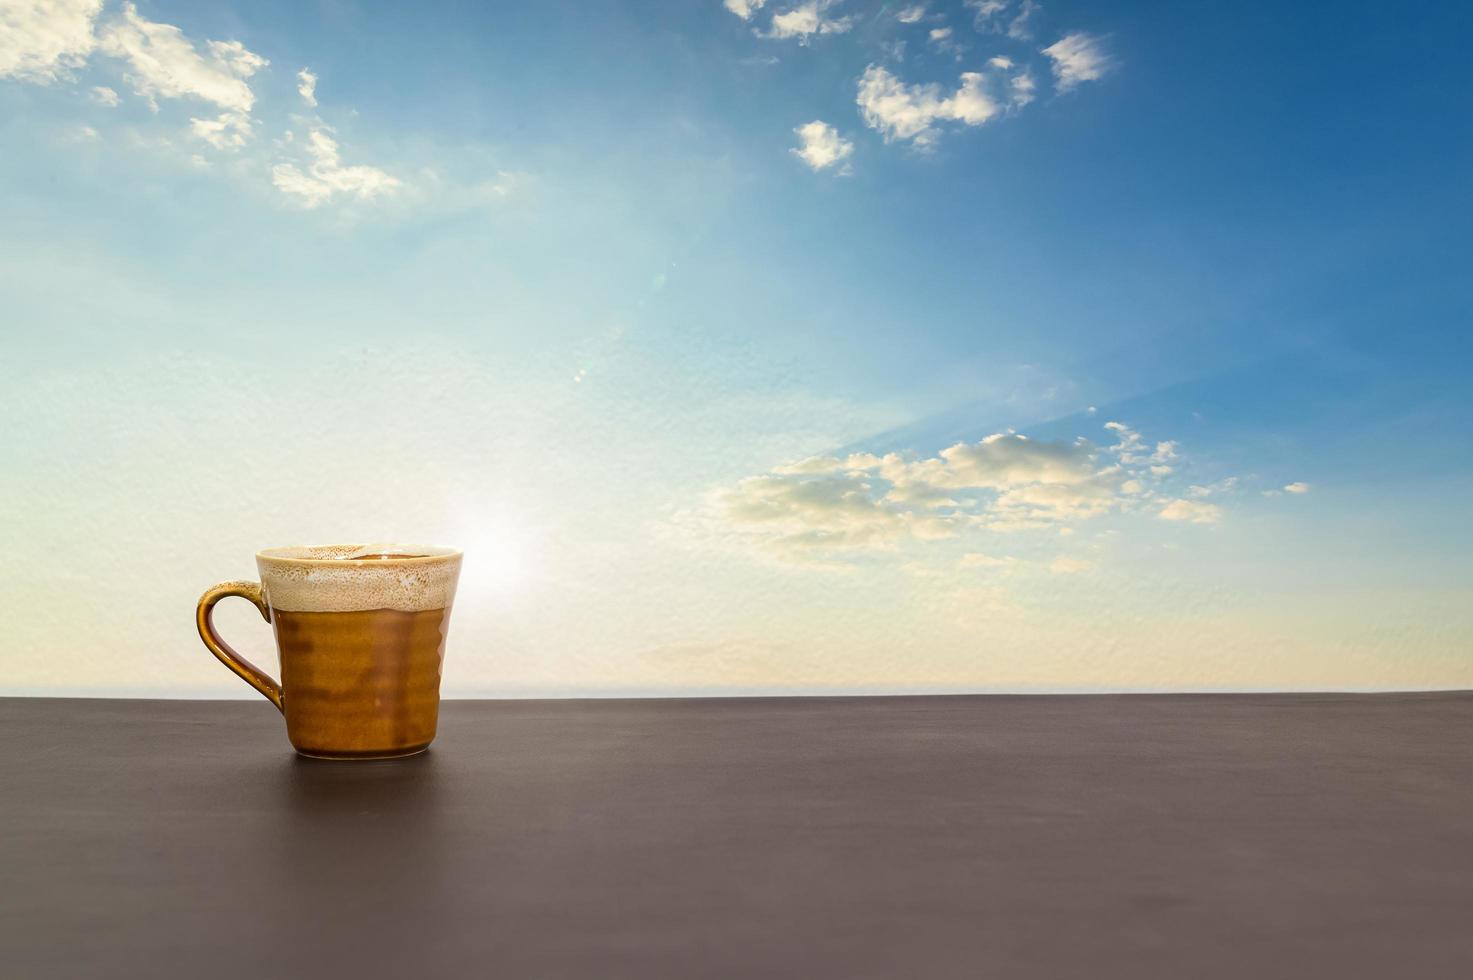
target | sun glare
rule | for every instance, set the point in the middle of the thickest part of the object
(501, 558)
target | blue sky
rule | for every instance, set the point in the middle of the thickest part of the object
(587, 282)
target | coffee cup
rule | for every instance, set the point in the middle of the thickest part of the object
(360, 630)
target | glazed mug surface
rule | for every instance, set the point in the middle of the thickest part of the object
(360, 630)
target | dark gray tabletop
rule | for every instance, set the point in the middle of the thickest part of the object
(1154, 836)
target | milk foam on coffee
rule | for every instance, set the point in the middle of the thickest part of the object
(357, 577)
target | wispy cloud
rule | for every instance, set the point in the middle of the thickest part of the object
(1020, 28)
(821, 146)
(1077, 58)
(830, 511)
(45, 40)
(987, 14)
(1003, 483)
(1020, 89)
(325, 176)
(1193, 511)
(307, 87)
(163, 63)
(944, 39)
(916, 112)
(1294, 488)
(1198, 492)
(227, 131)
(806, 20)
(744, 8)
(911, 112)
(911, 14)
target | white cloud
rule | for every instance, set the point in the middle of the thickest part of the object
(307, 86)
(1005, 460)
(911, 14)
(1221, 486)
(227, 131)
(163, 63)
(1295, 488)
(744, 8)
(811, 465)
(833, 511)
(987, 12)
(1077, 58)
(1003, 483)
(910, 112)
(944, 40)
(1194, 511)
(326, 177)
(1131, 448)
(233, 54)
(806, 20)
(1019, 27)
(1043, 504)
(43, 40)
(1022, 87)
(822, 146)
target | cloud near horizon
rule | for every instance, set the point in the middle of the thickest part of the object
(1004, 483)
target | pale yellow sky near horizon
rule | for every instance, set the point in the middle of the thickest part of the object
(593, 567)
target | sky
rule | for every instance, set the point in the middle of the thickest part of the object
(747, 347)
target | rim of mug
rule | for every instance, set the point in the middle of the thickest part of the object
(415, 554)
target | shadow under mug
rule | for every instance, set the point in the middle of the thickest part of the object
(360, 630)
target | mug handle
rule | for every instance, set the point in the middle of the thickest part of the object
(205, 620)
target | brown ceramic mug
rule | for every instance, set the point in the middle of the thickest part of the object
(361, 634)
